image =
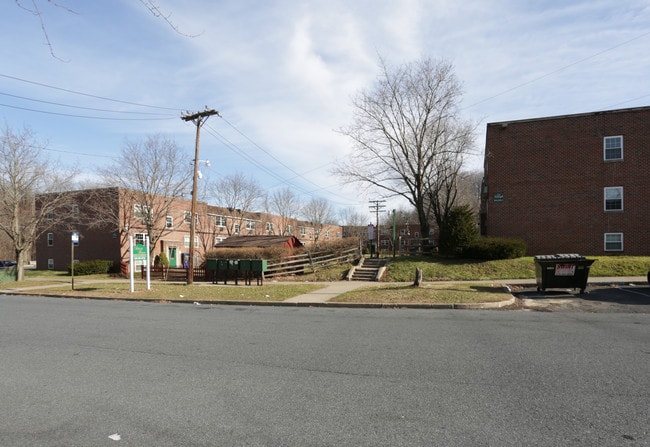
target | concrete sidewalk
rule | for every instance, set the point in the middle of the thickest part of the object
(330, 291)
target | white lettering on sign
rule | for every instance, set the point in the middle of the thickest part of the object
(565, 269)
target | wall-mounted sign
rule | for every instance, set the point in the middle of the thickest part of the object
(75, 238)
(498, 197)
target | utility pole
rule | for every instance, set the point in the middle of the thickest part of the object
(199, 119)
(376, 206)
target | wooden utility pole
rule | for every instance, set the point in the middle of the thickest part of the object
(197, 118)
(376, 206)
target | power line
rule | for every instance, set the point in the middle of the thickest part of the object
(557, 70)
(70, 115)
(81, 107)
(86, 94)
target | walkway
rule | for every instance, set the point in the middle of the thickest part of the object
(328, 292)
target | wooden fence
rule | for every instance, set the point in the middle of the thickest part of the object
(296, 264)
(309, 262)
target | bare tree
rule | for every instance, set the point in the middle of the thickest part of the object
(469, 189)
(409, 138)
(240, 195)
(33, 197)
(285, 204)
(318, 212)
(153, 175)
(34, 7)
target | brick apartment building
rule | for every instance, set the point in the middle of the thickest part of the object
(570, 184)
(105, 219)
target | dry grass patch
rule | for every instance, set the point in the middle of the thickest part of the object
(426, 294)
(179, 292)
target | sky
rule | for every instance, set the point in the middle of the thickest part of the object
(282, 74)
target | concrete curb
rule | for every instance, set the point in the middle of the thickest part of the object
(324, 304)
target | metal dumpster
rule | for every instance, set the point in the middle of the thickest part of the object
(566, 271)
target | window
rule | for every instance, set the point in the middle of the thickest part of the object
(75, 211)
(613, 241)
(218, 240)
(613, 148)
(186, 241)
(220, 221)
(50, 264)
(269, 227)
(614, 199)
(138, 238)
(250, 225)
(235, 228)
(303, 231)
(142, 212)
(187, 217)
(289, 229)
(50, 239)
(169, 222)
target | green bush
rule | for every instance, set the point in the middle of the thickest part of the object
(161, 260)
(94, 267)
(458, 231)
(491, 248)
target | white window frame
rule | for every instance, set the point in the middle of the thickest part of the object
(250, 225)
(50, 264)
(139, 238)
(220, 221)
(606, 241)
(75, 211)
(186, 241)
(619, 189)
(169, 222)
(50, 239)
(218, 240)
(269, 227)
(608, 147)
(235, 228)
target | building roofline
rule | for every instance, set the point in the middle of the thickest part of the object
(547, 118)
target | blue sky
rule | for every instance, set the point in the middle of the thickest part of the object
(282, 73)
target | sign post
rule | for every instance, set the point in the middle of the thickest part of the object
(74, 242)
(140, 252)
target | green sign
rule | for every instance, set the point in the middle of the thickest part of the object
(498, 197)
(139, 252)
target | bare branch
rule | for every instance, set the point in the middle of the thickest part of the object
(155, 10)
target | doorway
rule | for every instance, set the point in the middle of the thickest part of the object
(171, 255)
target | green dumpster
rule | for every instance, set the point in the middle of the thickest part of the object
(567, 271)
(258, 265)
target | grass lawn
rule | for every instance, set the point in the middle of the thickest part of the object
(400, 271)
(160, 291)
(426, 294)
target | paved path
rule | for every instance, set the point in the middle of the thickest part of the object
(330, 291)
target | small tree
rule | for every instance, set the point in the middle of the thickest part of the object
(163, 261)
(457, 231)
(32, 193)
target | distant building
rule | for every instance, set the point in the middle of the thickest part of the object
(570, 184)
(105, 218)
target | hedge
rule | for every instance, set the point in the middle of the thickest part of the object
(96, 266)
(491, 248)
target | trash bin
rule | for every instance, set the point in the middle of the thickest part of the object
(562, 271)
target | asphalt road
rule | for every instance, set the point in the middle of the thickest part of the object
(85, 373)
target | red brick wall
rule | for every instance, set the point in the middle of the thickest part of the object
(551, 176)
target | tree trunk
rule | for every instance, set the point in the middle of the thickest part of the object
(418, 277)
